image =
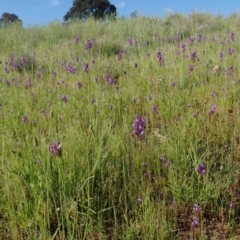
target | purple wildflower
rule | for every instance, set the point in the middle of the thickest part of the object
(165, 160)
(28, 84)
(167, 164)
(25, 119)
(221, 56)
(191, 40)
(231, 51)
(134, 99)
(199, 38)
(201, 169)
(109, 79)
(88, 44)
(24, 61)
(196, 208)
(139, 200)
(194, 114)
(54, 74)
(85, 67)
(71, 68)
(8, 83)
(213, 109)
(55, 149)
(190, 68)
(79, 85)
(130, 41)
(138, 126)
(64, 98)
(229, 70)
(96, 80)
(227, 148)
(232, 36)
(183, 48)
(231, 205)
(119, 56)
(135, 65)
(154, 108)
(160, 58)
(195, 222)
(193, 55)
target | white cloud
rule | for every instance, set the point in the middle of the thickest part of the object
(121, 5)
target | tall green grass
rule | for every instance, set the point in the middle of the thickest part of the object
(106, 182)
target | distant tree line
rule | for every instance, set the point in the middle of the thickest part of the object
(83, 9)
(9, 18)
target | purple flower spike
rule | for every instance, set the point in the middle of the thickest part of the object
(193, 55)
(25, 119)
(88, 44)
(85, 67)
(64, 98)
(96, 80)
(154, 108)
(134, 99)
(195, 114)
(231, 205)
(79, 85)
(130, 41)
(201, 169)
(213, 109)
(221, 54)
(139, 200)
(195, 222)
(55, 149)
(138, 126)
(232, 36)
(167, 164)
(199, 38)
(196, 208)
(160, 58)
(119, 56)
(109, 79)
(190, 68)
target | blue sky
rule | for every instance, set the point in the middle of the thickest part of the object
(38, 12)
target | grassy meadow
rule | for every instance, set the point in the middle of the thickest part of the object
(127, 129)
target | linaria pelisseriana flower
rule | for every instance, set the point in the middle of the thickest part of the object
(138, 126)
(201, 169)
(195, 222)
(64, 98)
(55, 148)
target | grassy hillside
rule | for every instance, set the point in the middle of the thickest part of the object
(127, 129)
